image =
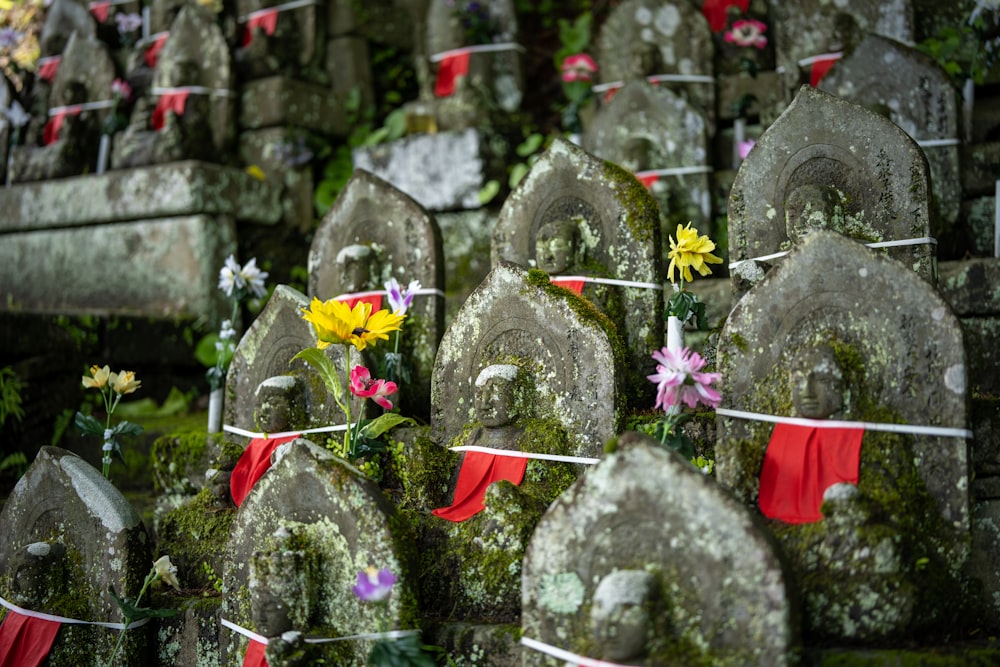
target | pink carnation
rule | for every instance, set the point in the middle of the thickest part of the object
(679, 380)
(580, 67)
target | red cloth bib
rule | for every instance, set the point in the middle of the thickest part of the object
(648, 180)
(266, 19)
(49, 68)
(152, 54)
(801, 462)
(374, 299)
(254, 462)
(255, 654)
(572, 285)
(478, 471)
(449, 69)
(100, 10)
(175, 102)
(820, 68)
(25, 641)
(717, 12)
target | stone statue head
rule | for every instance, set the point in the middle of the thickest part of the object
(280, 404)
(279, 588)
(557, 244)
(620, 615)
(644, 60)
(817, 382)
(356, 263)
(38, 573)
(494, 395)
(811, 207)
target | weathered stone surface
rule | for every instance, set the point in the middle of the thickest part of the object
(280, 101)
(971, 287)
(721, 584)
(980, 216)
(645, 128)
(765, 88)
(982, 565)
(981, 336)
(264, 355)
(647, 38)
(563, 346)
(900, 359)
(417, 165)
(979, 176)
(985, 420)
(827, 163)
(69, 535)
(296, 48)
(337, 523)
(286, 161)
(605, 225)
(919, 97)
(158, 268)
(179, 189)
(466, 236)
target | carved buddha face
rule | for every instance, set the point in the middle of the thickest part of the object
(555, 246)
(817, 383)
(355, 263)
(620, 614)
(494, 400)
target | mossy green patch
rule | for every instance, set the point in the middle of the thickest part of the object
(196, 533)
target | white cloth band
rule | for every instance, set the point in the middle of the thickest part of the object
(675, 171)
(526, 455)
(478, 48)
(47, 59)
(805, 62)
(195, 90)
(71, 621)
(609, 281)
(109, 3)
(423, 291)
(392, 634)
(296, 4)
(878, 244)
(657, 78)
(283, 434)
(941, 431)
(933, 143)
(579, 660)
(85, 106)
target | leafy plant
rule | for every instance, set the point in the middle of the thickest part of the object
(10, 395)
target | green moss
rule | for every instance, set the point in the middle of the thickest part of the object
(194, 533)
(640, 206)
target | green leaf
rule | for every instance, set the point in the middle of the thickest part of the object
(488, 191)
(88, 425)
(126, 428)
(530, 145)
(384, 424)
(205, 351)
(517, 172)
(323, 365)
(133, 613)
(396, 123)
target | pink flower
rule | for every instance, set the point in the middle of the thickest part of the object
(679, 380)
(374, 585)
(744, 148)
(580, 67)
(747, 32)
(399, 301)
(120, 88)
(364, 386)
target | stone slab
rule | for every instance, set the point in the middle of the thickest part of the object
(278, 101)
(158, 268)
(167, 190)
(971, 287)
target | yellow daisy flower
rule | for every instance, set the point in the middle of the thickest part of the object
(379, 325)
(690, 250)
(124, 382)
(335, 322)
(99, 377)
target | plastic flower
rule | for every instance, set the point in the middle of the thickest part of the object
(374, 585)
(166, 571)
(120, 88)
(401, 301)
(679, 380)
(254, 278)
(335, 322)
(99, 377)
(128, 23)
(16, 114)
(690, 250)
(744, 148)
(747, 32)
(9, 38)
(124, 382)
(364, 386)
(579, 67)
(233, 277)
(229, 276)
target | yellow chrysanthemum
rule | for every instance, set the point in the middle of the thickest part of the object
(379, 325)
(124, 382)
(99, 377)
(690, 250)
(335, 322)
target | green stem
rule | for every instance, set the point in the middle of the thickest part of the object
(128, 619)
(348, 444)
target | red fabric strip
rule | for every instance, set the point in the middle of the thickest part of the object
(49, 68)
(253, 463)
(168, 102)
(50, 134)
(449, 70)
(820, 68)
(648, 180)
(374, 299)
(100, 10)
(717, 12)
(801, 462)
(571, 285)
(477, 472)
(152, 53)
(25, 641)
(255, 654)
(266, 19)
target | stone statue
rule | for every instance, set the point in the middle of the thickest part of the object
(358, 267)
(280, 600)
(558, 248)
(817, 382)
(620, 615)
(495, 408)
(38, 574)
(69, 152)
(281, 404)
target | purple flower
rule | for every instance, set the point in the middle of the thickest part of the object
(400, 301)
(374, 585)
(679, 380)
(9, 38)
(128, 23)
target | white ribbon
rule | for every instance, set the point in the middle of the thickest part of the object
(657, 78)
(71, 621)
(109, 3)
(941, 431)
(525, 455)
(579, 660)
(878, 244)
(85, 106)
(296, 4)
(675, 171)
(478, 48)
(934, 143)
(195, 90)
(609, 281)
(283, 434)
(392, 634)
(805, 62)
(423, 291)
